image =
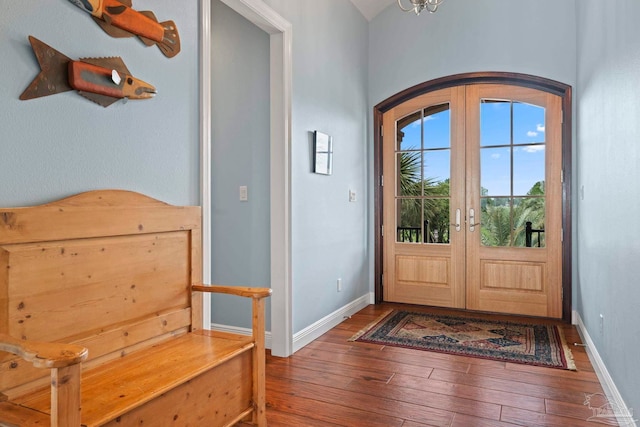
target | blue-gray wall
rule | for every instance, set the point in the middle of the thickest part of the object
(608, 152)
(64, 144)
(239, 157)
(330, 45)
(531, 37)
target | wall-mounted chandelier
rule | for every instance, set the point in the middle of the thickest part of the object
(418, 6)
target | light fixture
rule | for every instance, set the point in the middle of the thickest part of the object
(418, 6)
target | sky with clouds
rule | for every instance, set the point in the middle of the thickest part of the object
(527, 128)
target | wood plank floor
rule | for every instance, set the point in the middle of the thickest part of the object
(334, 382)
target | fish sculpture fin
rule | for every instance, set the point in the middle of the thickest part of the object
(112, 63)
(149, 14)
(103, 100)
(170, 45)
(53, 77)
(112, 30)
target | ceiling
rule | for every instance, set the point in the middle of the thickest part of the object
(370, 8)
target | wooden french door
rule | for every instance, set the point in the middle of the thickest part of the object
(472, 194)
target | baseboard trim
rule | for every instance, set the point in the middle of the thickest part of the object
(241, 331)
(623, 414)
(312, 332)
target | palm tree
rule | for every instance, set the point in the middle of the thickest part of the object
(436, 209)
(496, 225)
(505, 224)
(410, 175)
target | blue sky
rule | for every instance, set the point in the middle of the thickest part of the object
(528, 160)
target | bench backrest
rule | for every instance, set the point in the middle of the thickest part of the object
(109, 270)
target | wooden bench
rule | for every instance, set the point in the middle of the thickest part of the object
(101, 320)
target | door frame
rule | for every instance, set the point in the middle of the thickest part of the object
(515, 79)
(280, 33)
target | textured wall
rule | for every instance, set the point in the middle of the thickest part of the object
(64, 144)
(608, 176)
(329, 94)
(464, 36)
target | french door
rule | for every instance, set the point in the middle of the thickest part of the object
(472, 214)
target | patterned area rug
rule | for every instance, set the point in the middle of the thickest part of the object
(531, 344)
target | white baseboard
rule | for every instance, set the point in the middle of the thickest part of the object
(623, 414)
(314, 331)
(241, 331)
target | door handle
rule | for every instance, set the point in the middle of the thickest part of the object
(472, 220)
(457, 224)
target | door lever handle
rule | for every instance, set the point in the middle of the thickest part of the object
(472, 220)
(457, 224)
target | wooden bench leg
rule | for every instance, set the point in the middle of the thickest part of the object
(259, 364)
(65, 396)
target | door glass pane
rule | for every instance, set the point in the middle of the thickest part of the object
(529, 215)
(409, 180)
(409, 132)
(495, 122)
(495, 170)
(409, 220)
(528, 169)
(436, 220)
(437, 171)
(528, 123)
(495, 221)
(437, 127)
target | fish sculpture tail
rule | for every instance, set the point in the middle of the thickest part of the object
(53, 71)
(170, 44)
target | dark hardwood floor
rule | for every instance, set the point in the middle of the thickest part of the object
(334, 382)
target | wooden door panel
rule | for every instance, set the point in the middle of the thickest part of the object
(419, 272)
(512, 276)
(434, 271)
(511, 279)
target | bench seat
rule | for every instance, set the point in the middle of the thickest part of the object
(124, 385)
(17, 416)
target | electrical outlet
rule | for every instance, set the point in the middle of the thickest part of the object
(352, 196)
(244, 193)
(339, 285)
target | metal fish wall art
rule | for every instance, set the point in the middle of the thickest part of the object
(102, 80)
(118, 19)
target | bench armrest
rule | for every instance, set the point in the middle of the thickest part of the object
(258, 296)
(242, 291)
(42, 354)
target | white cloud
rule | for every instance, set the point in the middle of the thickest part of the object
(495, 156)
(418, 122)
(531, 134)
(540, 127)
(533, 148)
